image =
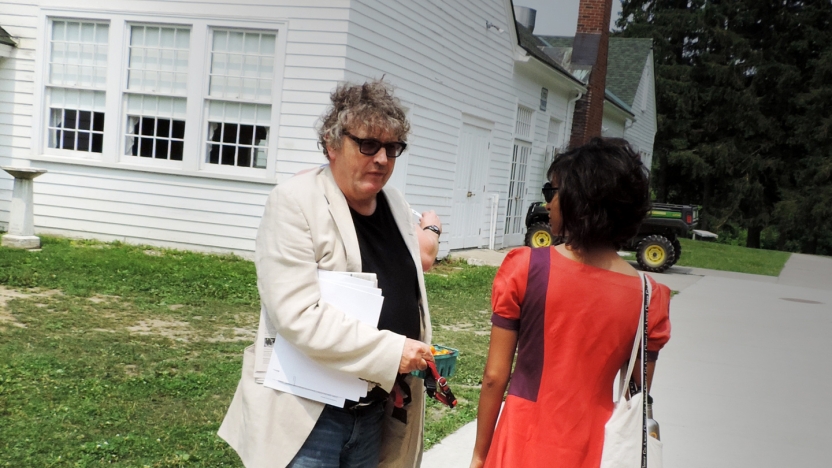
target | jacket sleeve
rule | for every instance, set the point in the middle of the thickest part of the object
(286, 260)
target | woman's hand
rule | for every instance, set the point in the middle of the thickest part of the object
(477, 462)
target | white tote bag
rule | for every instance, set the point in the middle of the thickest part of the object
(625, 433)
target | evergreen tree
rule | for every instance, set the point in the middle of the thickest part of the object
(744, 112)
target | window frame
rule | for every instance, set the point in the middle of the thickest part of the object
(531, 123)
(43, 90)
(121, 154)
(113, 155)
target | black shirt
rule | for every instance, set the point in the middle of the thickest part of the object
(384, 252)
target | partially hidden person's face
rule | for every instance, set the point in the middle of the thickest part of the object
(555, 218)
(360, 176)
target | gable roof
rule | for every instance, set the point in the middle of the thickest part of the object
(6, 38)
(534, 47)
(625, 65)
(625, 62)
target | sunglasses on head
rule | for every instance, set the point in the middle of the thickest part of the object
(370, 146)
(549, 192)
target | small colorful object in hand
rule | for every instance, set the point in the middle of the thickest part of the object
(445, 359)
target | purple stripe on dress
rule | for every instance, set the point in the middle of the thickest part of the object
(525, 382)
(502, 322)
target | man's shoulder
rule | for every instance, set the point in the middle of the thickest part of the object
(302, 184)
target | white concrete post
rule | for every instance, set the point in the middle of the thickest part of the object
(21, 218)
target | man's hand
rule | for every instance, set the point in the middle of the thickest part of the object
(428, 240)
(414, 356)
(429, 218)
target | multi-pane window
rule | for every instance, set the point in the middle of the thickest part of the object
(173, 93)
(239, 98)
(76, 80)
(155, 127)
(552, 137)
(76, 120)
(158, 61)
(238, 134)
(157, 86)
(523, 126)
(515, 208)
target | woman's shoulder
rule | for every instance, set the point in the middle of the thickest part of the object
(518, 258)
(656, 286)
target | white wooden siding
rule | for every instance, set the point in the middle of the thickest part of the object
(6, 185)
(162, 209)
(642, 133)
(612, 126)
(439, 54)
(527, 85)
(441, 57)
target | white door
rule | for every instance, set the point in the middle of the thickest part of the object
(516, 202)
(467, 213)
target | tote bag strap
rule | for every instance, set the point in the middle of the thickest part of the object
(648, 290)
(641, 332)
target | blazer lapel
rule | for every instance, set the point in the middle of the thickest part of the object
(340, 212)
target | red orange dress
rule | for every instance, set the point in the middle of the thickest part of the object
(576, 325)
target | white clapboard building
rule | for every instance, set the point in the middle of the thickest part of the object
(168, 122)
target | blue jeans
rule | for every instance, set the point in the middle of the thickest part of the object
(343, 438)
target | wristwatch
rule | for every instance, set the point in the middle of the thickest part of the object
(433, 228)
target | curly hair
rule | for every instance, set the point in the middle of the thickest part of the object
(603, 192)
(370, 106)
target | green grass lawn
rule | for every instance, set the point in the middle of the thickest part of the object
(129, 356)
(732, 258)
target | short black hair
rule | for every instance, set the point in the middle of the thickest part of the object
(603, 192)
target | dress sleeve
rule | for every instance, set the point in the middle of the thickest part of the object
(658, 327)
(509, 289)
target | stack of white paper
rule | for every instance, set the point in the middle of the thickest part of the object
(290, 370)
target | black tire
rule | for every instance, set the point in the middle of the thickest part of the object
(539, 235)
(677, 250)
(655, 253)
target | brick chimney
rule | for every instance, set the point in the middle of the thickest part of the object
(589, 51)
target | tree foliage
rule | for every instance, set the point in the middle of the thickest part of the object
(744, 96)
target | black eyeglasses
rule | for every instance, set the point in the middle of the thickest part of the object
(370, 146)
(549, 192)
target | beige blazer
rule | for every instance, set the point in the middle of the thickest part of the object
(306, 226)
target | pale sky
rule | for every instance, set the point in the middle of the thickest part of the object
(560, 17)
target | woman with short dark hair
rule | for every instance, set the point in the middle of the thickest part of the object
(571, 312)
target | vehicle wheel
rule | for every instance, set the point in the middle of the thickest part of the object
(655, 253)
(677, 250)
(539, 235)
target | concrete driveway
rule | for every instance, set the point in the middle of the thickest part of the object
(746, 379)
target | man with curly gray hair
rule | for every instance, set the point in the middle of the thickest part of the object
(341, 217)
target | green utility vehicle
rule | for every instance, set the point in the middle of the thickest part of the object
(656, 245)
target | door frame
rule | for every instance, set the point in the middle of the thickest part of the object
(476, 219)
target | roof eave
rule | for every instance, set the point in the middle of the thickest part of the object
(6, 38)
(522, 54)
(561, 71)
(618, 103)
